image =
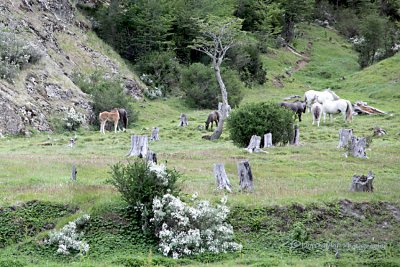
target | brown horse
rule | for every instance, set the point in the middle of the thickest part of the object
(109, 116)
(212, 117)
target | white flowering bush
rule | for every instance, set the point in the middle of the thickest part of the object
(68, 239)
(15, 54)
(73, 119)
(185, 229)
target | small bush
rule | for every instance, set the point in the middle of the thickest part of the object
(15, 54)
(202, 90)
(259, 119)
(190, 230)
(68, 239)
(73, 120)
(141, 181)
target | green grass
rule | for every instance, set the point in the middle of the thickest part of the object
(313, 172)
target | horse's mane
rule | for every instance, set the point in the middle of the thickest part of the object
(335, 96)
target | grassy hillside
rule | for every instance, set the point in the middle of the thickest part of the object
(308, 183)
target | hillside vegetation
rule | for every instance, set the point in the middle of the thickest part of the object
(301, 192)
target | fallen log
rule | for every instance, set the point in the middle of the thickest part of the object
(362, 108)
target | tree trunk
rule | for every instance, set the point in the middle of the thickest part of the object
(296, 135)
(362, 183)
(151, 156)
(154, 134)
(245, 176)
(73, 173)
(221, 177)
(358, 146)
(254, 145)
(268, 140)
(183, 120)
(139, 146)
(228, 109)
(345, 137)
(224, 106)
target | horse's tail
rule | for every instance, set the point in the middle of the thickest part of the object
(349, 111)
(317, 112)
(125, 120)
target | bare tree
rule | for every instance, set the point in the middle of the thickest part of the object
(218, 36)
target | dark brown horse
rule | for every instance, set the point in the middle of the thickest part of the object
(212, 117)
(297, 107)
(123, 118)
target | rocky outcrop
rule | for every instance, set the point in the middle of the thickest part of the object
(45, 90)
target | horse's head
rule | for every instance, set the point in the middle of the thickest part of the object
(207, 123)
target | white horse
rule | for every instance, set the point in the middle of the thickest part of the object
(327, 94)
(332, 107)
(316, 112)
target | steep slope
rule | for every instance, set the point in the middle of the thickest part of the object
(45, 90)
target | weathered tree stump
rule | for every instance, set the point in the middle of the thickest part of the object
(221, 177)
(183, 120)
(139, 146)
(345, 137)
(358, 146)
(154, 134)
(245, 176)
(296, 135)
(362, 183)
(73, 173)
(378, 131)
(254, 145)
(268, 140)
(151, 157)
(71, 142)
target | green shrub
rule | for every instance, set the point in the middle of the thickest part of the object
(247, 61)
(259, 119)
(15, 54)
(202, 90)
(139, 182)
(161, 70)
(107, 94)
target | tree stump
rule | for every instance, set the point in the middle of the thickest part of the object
(139, 146)
(154, 134)
(345, 137)
(245, 176)
(73, 173)
(296, 136)
(358, 146)
(183, 120)
(378, 131)
(362, 183)
(151, 157)
(221, 177)
(71, 142)
(268, 140)
(254, 145)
